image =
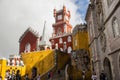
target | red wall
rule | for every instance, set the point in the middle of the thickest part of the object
(28, 38)
(60, 24)
(60, 45)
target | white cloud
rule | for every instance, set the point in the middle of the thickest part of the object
(17, 15)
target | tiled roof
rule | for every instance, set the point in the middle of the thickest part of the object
(29, 30)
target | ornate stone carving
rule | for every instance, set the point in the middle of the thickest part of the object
(103, 42)
(99, 6)
(82, 59)
(99, 15)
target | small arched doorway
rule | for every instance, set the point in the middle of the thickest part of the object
(34, 72)
(107, 69)
(27, 47)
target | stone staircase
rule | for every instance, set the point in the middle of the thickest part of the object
(61, 59)
(60, 76)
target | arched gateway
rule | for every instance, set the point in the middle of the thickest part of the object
(107, 69)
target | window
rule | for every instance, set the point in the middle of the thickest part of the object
(69, 49)
(116, 30)
(59, 17)
(60, 40)
(75, 42)
(59, 32)
(61, 49)
(56, 46)
(69, 38)
(64, 46)
(27, 47)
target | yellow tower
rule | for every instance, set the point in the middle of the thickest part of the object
(80, 37)
(80, 55)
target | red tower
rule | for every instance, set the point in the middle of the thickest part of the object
(62, 37)
(29, 41)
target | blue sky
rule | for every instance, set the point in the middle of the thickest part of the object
(82, 7)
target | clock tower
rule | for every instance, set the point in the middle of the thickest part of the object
(61, 37)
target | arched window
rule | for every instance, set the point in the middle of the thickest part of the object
(61, 49)
(64, 46)
(56, 46)
(59, 32)
(107, 68)
(116, 29)
(75, 42)
(60, 40)
(27, 47)
(52, 42)
(59, 17)
(69, 38)
(69, 49)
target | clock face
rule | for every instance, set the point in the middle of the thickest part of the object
(59, 17)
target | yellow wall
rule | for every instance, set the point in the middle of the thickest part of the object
(82, 40)
(62, 59)
(4, 68)
(81, 36)
(42, 60)
(21, 68)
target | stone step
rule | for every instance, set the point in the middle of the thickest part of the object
(60, 76)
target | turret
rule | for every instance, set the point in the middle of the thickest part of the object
(54, 12)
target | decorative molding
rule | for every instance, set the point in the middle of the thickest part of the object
(113, 11)
(103, 41)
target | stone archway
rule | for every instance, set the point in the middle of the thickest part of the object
(107, 69)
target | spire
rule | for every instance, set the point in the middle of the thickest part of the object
(42, 42)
